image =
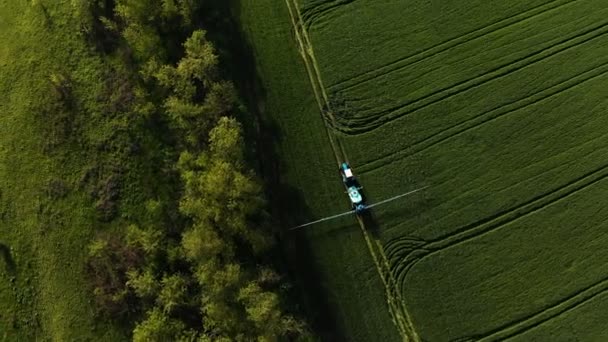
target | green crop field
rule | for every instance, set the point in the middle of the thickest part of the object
(499, 108)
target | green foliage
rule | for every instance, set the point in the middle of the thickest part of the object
(149, 241)
(155, 210)
(144, 41)
(99, 248)
(137, 27)
(98, 202)
(169, 8)
(221, 315)
(261, 307)
(195, 77)
(137, 11)
(221, 200)
(219, 194)
(226, 142)
(109, 262)
(201, 61)
(186, 8)
(146, 25)
(202, 242)
(86, 11)
(143, 283)
(62, 85)
(158, 326)
(172, 293)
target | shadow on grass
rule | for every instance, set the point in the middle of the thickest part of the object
(371, 223)
(417, 203)
(5, 253)
(294, 254)
(290, 208)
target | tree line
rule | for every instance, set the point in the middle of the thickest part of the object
(203, 272)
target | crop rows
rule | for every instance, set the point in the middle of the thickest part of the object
(373, 115)
(485, 117)
(502, 117)
(405, 253)
(365, 35)
(571, 302)
(403, 62)
(524, 268)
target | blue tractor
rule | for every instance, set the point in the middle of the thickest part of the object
(352, 188)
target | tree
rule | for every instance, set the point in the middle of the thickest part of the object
(144, 284)
(218, 192)
(137, 11)
(202, 242)
(197, 97)
(222, 314)
(264, 310)
(201, 61)
(212, 267)
(226, 141)
(158, 326)
(144, 41)
(149, 241)
(221, 99)
(173, 292)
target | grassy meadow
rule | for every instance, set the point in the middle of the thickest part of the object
(41, 287)
(61, 140)
(499, 108)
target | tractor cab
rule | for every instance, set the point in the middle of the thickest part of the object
(347, 172)
(347, 175)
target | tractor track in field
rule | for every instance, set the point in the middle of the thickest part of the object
(548, 313)
(404, 259)
(484, 118)
(398, 244)
(313, 13)
(447, 45)
(395, 303)
(354, 126)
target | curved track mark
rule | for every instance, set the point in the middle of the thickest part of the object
(499, 220)
(370, 123)
(314, 13)
(484, 118)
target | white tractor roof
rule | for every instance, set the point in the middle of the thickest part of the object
(348, 173)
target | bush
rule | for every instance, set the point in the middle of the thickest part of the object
(109, 261)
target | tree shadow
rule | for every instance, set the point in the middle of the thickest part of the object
(5, 253)
(289, 206)
(293, 254)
